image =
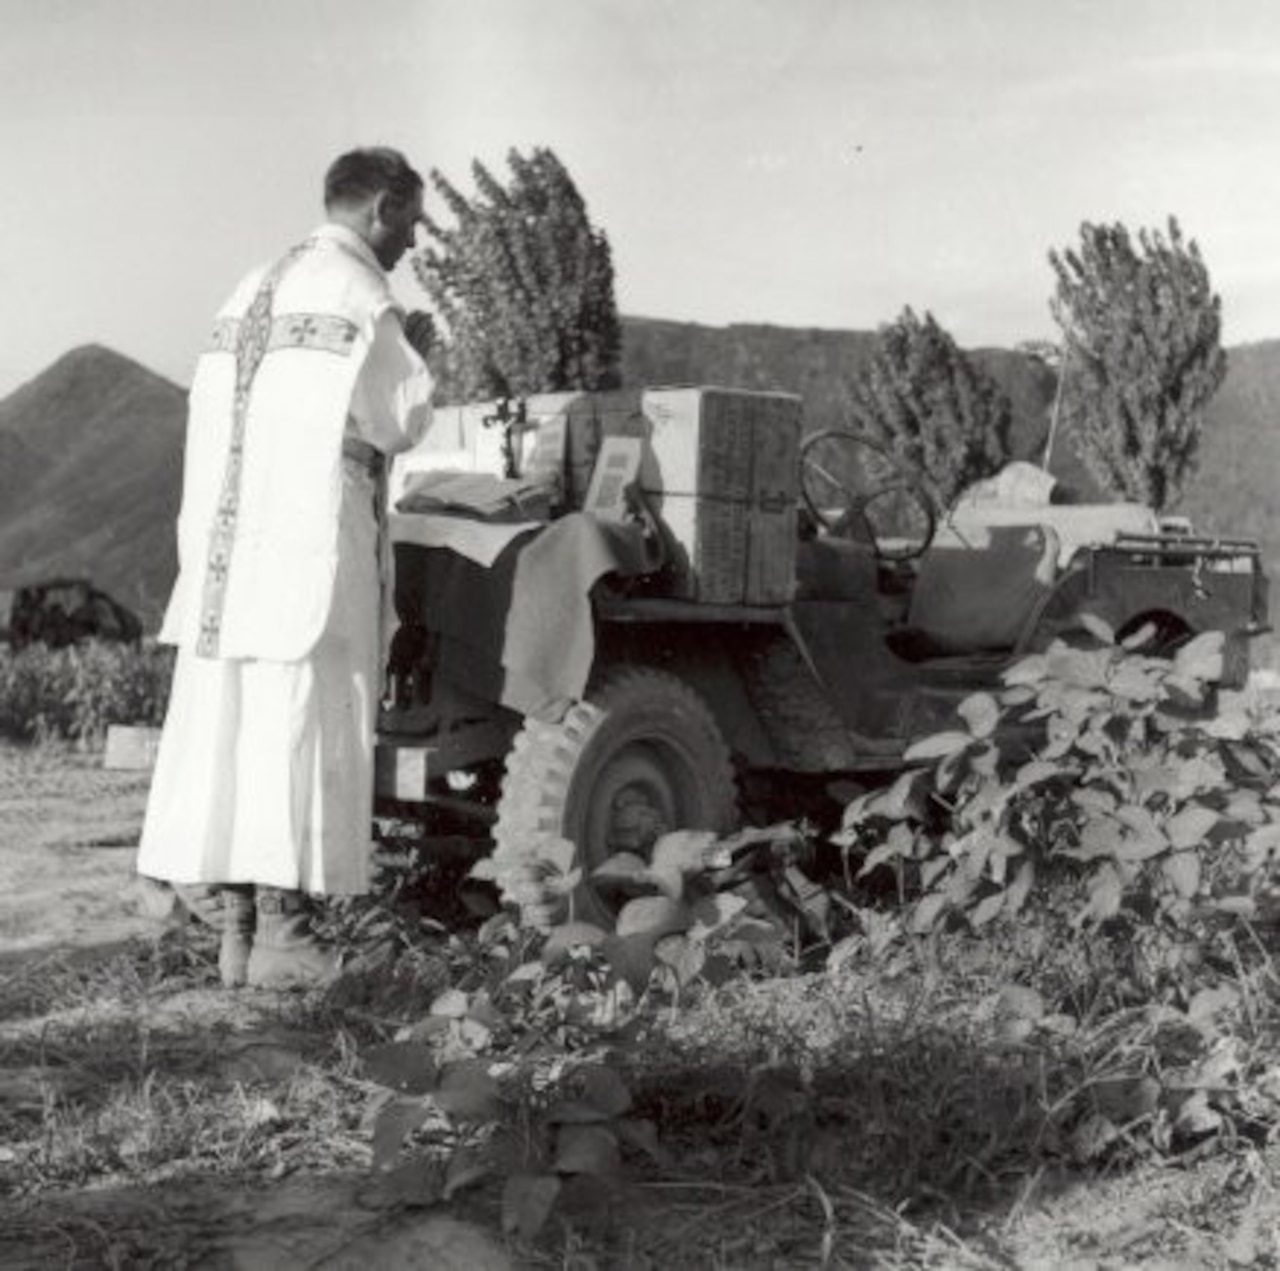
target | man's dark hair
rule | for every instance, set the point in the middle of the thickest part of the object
(355, 177)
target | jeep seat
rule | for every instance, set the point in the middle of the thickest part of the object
(977, 590)
(830, 568)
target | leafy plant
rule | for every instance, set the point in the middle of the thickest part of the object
(76, 692)
(1149, 796)
(1125, 813)
(674, 892)
(554, 996)
(939, 412)
(448, 1123)
(523, 283)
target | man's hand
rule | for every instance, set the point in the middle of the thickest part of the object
(420, 331)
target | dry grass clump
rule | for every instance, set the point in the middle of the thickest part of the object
(904, 1110)
(33, 986)
(121, 1237)
(145, 1113)
(137, 1066)
(91, 1103)
(911, 1101)
(871, 1117)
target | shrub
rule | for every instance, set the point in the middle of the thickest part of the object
(933, 407)
(1142, 356)
(523, 282)
(1140, 798)
(77, 692)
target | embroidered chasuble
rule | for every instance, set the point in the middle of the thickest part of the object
(265, 769)
(257, 533)
(251, 346)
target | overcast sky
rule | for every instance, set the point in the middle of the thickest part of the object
(801, 162)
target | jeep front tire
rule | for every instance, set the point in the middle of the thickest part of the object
(639, 757)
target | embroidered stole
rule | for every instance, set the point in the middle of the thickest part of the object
(253, 338)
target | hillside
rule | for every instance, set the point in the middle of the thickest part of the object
(90, 450)
(90, 471)
(1237, 486)
(20, 465)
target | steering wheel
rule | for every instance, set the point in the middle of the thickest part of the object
(855, 488)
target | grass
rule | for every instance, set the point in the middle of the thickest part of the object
(881, 1117)
(895, 1112)
(1031, 1097)
(37, 986)
(110, 1090)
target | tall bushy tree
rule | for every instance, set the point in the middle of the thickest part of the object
(927, 401)
(1142, 334)
(523, 283)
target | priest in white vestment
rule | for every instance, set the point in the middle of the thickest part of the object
(263, 787)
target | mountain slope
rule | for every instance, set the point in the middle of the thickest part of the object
(96, 441)
(1236, 487)
(20, 466)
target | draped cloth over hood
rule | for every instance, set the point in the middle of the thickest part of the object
(257, 533)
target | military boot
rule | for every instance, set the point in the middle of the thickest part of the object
(200, 900)
(286, 952)
(239, 919)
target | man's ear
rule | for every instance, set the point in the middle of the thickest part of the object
(380, 206)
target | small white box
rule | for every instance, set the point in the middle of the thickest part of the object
(131, 746)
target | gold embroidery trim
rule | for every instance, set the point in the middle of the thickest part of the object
(324, 332)
(252, 339)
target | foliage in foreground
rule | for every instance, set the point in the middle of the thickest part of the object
(75, 693)
(1146, 801)
(564, 1012)
(883, 1112)
(1101, 840)
(566, 1080)
(1143, 356)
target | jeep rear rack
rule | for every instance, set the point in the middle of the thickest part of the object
(1183, 545)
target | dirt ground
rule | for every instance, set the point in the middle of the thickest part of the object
(69, 898)
(68, 830)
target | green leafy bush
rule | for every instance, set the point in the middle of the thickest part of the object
(77, 692)
(574, 1001)
(1120, 815)
(1116, 780)
(1108, 824)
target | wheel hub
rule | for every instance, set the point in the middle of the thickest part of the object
(633, 804)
